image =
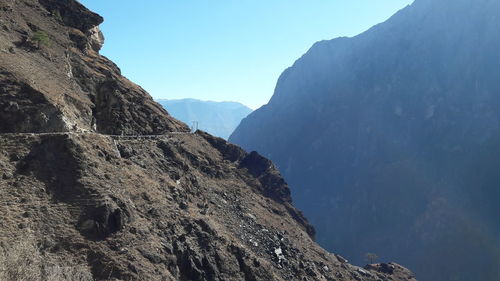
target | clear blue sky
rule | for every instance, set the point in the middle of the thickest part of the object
(224, 50)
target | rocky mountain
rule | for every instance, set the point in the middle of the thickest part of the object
(217, 118)
(98, 182)
(390, 139)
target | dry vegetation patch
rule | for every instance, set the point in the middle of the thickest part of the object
(23, 260)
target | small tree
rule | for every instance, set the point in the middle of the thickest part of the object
(370, 257)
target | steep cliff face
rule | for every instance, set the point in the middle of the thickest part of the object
(390, 139)
(100, 176)
(52, 78)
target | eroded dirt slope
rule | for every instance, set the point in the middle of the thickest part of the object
(179, 207)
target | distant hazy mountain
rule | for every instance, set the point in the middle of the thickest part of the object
(390, 140)
(217, 118)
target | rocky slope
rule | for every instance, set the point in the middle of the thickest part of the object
(101, 176)
(217, 118)
(54, 80)
(389, 140)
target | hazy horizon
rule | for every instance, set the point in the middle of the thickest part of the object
(200, 100)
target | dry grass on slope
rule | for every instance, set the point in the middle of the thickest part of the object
(23, 261)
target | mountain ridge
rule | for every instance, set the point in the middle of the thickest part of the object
(390, 135)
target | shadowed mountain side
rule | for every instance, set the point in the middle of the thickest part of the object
(389, 140)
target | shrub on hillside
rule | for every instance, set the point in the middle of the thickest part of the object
(41, 38)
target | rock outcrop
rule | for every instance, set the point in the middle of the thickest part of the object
(54, 80)
(389, 140)
(100, 175)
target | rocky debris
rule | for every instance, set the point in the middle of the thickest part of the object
(341, 259)
(381, 267)
(279, 255)
(158, 212)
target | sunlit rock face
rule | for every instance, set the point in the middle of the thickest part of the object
(390, 140)
(62, 83)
